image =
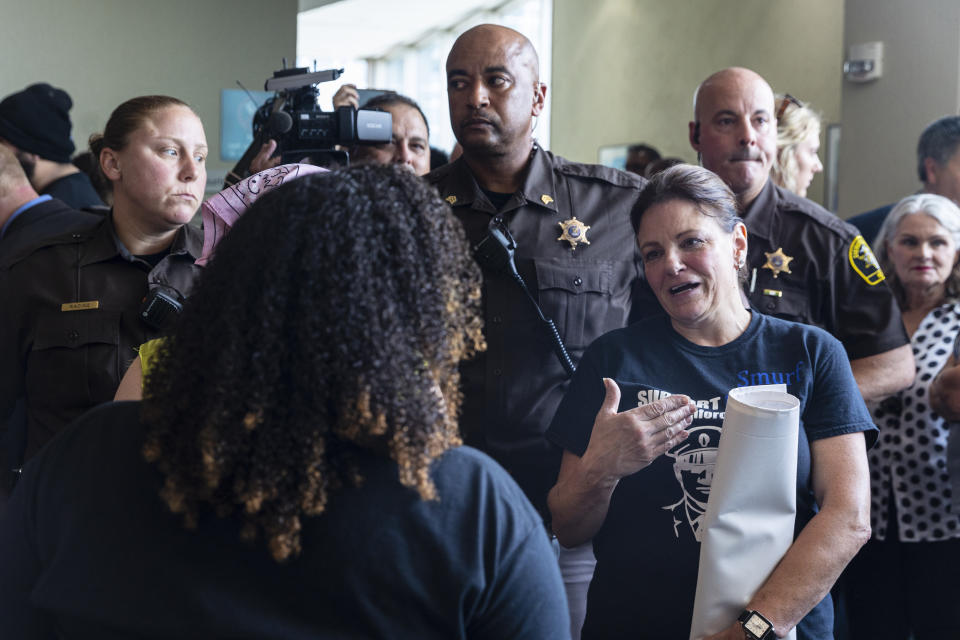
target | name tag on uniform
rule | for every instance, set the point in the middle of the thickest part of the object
(80, 306)
(776, 293)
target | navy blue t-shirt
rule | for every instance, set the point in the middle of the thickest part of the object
(648, 548)
(88, 550)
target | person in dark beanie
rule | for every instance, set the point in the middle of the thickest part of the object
(35, 123)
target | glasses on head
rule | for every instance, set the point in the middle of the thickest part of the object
(788, 100)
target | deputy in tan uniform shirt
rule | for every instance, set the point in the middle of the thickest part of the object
(575, 250)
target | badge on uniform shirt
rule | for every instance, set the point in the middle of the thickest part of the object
(777, 261)
(574, 232)
(864, 262)
(451, 199)
(80, 306)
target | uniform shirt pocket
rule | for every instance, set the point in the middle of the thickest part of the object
(74, 359)
(782, 300)
(575, 296)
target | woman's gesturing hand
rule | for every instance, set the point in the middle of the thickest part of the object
(623, 443)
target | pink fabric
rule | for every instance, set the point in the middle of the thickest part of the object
(222, 211)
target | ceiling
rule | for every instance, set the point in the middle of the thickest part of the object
(352, 29)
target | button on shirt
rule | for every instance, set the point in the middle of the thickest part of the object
(909, 461)
(71, 323)
(512, 390)
(831, 282)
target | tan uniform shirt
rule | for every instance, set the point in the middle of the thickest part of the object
(71, 322)
(826, 274)
(512, 391)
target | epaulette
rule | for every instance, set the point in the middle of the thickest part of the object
(439, 173)
(792, 203)
(72, 237)
(599, 172)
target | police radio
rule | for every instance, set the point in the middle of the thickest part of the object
(160, 309)
(494, 253)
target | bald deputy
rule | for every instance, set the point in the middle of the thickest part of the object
(804, 264)
(575, 250)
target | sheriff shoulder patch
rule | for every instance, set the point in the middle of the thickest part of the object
(864, 262)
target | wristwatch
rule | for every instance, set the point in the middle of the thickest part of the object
(756, 626)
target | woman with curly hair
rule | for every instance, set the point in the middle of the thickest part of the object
(300, 428)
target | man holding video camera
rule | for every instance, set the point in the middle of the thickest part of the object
(575, 250)
(409, 144)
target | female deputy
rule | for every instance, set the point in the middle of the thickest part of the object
(77, 307)
(798, 141)
(301, 427)
(644, 509)
(904, 581)
(220, 212)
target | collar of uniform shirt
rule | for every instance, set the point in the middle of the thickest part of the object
(106, 245)
(463, 189)
(758, 221)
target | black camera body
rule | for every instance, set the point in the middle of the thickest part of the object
(345, 126)
(303, 131)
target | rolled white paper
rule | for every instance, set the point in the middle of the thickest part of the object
(748, 525)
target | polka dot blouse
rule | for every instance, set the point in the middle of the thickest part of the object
(909, 460)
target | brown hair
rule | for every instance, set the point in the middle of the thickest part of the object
(383, 101)
(126, 119)
(697, 185)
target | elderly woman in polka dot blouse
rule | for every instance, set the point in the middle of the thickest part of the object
(907, 578)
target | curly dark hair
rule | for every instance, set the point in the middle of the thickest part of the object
(328, 327)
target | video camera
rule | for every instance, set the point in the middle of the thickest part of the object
(303, 131)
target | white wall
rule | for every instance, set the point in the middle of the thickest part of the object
(882, 120)
(625, 70)
(103, 52)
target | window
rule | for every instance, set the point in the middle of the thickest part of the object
(409, 55)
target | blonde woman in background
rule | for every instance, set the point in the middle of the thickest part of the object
(798, 141)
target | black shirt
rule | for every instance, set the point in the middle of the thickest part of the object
(88, 550)
(76, 190)
(40, 222)
(869, 223)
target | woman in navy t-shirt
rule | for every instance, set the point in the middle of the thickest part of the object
(638, 485)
